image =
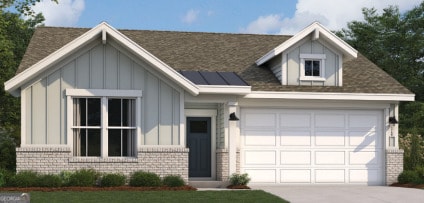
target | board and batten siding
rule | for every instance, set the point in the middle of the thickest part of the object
(312, 47)
(99, 66)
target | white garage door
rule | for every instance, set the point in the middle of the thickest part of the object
(282, 146)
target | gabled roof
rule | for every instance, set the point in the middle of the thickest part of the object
(317, 31)
(196, 51)
(104, 31)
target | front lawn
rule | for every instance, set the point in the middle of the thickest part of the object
(156, 196)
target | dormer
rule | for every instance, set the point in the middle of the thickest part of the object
(312, 57)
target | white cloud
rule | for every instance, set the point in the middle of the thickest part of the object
(332, 14)
(190, 16)
(65, 13)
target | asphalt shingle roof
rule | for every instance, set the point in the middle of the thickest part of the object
(196, 51)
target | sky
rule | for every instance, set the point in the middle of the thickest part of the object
(226, 16)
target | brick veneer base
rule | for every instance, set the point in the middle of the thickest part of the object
(160, 160)
(222, 167)
(394, 165)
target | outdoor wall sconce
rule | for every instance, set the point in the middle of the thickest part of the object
(392, 120)
(233, 117)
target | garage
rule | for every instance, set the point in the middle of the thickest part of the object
(286, 146)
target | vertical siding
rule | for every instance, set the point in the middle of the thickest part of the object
(96, 74)
(125, 72)
(165, 115)
(53, 110)
(111, 68)
(68, 81)
(220, 127)
(102, 66)
(28, 113)
(151, 114)
(176, 119)
(39, 112)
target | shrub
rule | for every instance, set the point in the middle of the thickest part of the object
(173, 181)
(65, 176)
(239, 179)
(112, 180)
(146, 179)
(408, 176)
(83, 178)
(420, 172)
(49, 180)
(24, 179)
(5, 177)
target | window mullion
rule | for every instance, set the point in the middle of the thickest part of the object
(104, 123)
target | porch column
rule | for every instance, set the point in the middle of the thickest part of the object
(233, 134)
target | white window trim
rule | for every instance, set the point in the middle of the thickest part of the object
(104, 94)
(316, 57)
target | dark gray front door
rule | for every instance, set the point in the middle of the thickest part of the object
(199, 143)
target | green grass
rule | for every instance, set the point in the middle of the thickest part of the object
(156, 196)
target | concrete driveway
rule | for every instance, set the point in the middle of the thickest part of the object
(345, 194)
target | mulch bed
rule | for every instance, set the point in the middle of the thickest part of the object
(238, 187)
(84, 189)
(408, 185)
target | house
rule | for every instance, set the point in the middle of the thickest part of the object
(302, 109)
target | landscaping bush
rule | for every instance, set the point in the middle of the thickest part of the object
(239, 179)
(146, 179)
(408, 176)
(173, 181)
(112, 180)
(65, 176)
(24, 179)
(2, 179)
(5, 177)
(49, 180)
(83, 178)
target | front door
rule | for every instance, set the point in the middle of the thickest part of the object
(199, 143)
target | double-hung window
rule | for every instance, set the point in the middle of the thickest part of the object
(104, 123)
(312, 67)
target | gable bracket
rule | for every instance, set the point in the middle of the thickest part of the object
(315, 35)
(103, 36)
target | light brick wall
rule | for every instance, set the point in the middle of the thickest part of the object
(160, 160)
(222, 164)
(394, 165)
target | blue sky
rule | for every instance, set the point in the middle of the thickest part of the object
(229, 16)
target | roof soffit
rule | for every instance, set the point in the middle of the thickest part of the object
(101, 31)
(315, 31)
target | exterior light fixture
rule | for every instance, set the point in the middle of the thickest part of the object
(233, 117)
(393, 121)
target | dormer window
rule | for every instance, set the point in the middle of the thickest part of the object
(312, 67)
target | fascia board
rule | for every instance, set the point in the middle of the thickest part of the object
(330, 96)
(14, 83)
(336, 41)
(223, 89)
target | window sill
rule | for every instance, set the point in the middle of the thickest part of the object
(312, 79)
(103, 160)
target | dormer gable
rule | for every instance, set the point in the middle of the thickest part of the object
(312, 57)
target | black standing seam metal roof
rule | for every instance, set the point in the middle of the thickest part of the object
(214, 78)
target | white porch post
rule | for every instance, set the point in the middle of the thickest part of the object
(233, 133)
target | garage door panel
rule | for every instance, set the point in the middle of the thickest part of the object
(362, 138)
(262, 175)
(329, 120)
(295, 138)
(260, 157)
(330, 176)
(330, 158)
(260, 120)
(330, 138)
(363, 121)
(363, 158)
(259, 138)
(291, 120)
(295, 176)
(369, 176)
(295, 157)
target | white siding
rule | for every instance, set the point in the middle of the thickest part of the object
(46, 99)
